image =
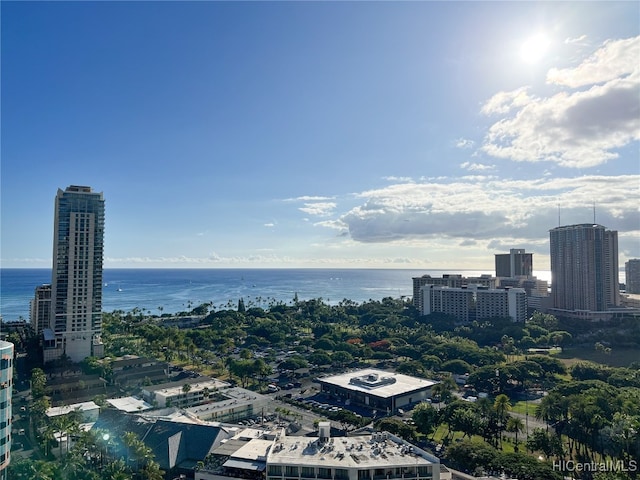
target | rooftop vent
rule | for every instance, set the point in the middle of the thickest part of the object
(324, 431)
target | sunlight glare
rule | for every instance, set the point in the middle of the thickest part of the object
(534, 48)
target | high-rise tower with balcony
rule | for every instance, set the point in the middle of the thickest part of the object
(76, 286)
(516, 263)
(584, 267)
(41, 308)
(6, 389)
(632, 275)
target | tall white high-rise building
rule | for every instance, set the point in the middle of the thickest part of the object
(6, 389)
(76, 286)
(584, 267)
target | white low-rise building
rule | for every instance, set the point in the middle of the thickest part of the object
(377, 389)
(379, 456)
(231, 405)
(182, 394)
(89, 411)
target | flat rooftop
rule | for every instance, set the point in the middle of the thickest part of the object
(254, 450)
(378, 382)
(82, 406)
(175, 388)
(129, 404)
(362, 452)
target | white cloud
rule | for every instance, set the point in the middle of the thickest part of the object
(616, 59)
(488, 208)
(308, 198)
(397, 179)
(333, 224)
(574, 128)
(504, 102)
(319, 209)
(269, 225)
(581, 40)
(21, 262)
(464, 143)
(476, 167)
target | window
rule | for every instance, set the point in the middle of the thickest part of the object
(324, 473)
(364, 475)
(341, 473)
(275, 470)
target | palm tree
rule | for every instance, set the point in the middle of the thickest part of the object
(515, 425)
(186, 388)
(73, 464)
(502, 406)
(26, 469)
(47, 436)
(152, 471)
(554, 408)
(116, 470)
(443, 390)
(143, 454)
(129, 439)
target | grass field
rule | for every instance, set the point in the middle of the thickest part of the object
(524, 407)
(617, 357)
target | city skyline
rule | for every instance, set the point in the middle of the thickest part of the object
(401, 135)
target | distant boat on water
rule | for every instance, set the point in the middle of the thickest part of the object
(119, 290)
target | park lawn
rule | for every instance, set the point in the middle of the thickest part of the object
(619, 357)
(442, 431)
(523, 407)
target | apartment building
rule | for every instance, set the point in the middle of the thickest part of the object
(6, 391)
(474, 302)
(76, 287)
(584, 268)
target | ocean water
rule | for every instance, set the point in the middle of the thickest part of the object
(175, 290)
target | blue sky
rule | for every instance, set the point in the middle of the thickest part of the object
(309, 134)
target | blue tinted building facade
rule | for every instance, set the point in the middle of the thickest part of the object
(76, 287)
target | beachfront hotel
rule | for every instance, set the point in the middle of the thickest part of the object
(6, 389)
(474, 302)
(448, 280)
(75, 325)
(584, 268)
